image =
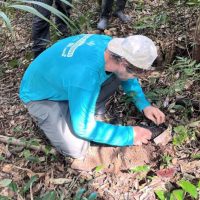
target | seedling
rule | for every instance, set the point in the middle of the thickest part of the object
(181, 135)
(143, 168)
(187, 188)
(166, 160)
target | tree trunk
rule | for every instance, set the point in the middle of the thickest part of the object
(196, 48)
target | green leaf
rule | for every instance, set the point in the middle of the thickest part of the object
(55, 11)
(13, 186)
(160, 194)
(47, 149)
(33, 142)
(99, 168)
(32, 11)
(189, 187)
(26, 154)
(181, 135)
(198, 185)
(7, 21)
(178, 194)
(1, 158)
(51, 195)
(143, 168)
(14, 63)
(5, 182)
(79, 194)
(195, 156)
(29, 183)
(92, 196)
(4, 198)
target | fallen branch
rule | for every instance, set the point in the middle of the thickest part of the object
(14, 141)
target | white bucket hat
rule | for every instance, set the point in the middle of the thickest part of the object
(139, 50)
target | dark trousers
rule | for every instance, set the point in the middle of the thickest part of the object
(106, 7)
(108, 88)
(40, 29)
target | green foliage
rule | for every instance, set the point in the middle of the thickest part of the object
(13, 186)
(181, 135)
(195, 156)
(92, 196)
(5, 182)
(189, 188)
(50, 195)
(154, 21)
(6, 20)
(143, 168)
(166, 160)
(99, 168)
(187, 2)
(4, 198)
(17, 129)
(139, 5)
(182, 72)
(80, 192)
(23, 6)
(28, 156)
(29, 184)
(160, 194)
(193, 2)
(2, 158)
(198, 184)
(179, 194)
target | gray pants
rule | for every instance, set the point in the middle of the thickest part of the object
(53, 117)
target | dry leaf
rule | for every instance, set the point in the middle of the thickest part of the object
(165, 137)
(7, 168)
(190, 167)
(60, 181)
(166, 173)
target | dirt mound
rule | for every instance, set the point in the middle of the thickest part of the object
(114, 159)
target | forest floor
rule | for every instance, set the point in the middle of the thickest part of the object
(168, 168)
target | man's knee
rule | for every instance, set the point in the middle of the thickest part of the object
(79, 152)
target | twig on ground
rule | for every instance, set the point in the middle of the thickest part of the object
(14, 141)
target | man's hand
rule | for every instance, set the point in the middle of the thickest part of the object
(141, 135)
(154, 114)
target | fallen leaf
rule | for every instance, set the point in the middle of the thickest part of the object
(7, 168)
(190, 167)
(165, 137)
(194, 124)
(166, 173)
(60, 181)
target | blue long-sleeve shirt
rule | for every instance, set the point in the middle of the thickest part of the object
(73, 69)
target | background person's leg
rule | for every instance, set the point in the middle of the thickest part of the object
(106, 8)
(120, 5)
(65, 9)
(107, 89)
(53, 118)
(40, 29)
